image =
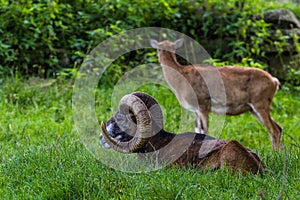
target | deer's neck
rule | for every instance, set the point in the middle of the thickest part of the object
(168, 59)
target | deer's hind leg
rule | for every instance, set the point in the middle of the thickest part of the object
(275, 130)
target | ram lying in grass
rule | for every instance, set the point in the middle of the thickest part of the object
(137, 127)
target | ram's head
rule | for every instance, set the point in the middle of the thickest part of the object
(139, 117)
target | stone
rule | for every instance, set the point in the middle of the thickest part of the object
(288, 56)
(282, 19)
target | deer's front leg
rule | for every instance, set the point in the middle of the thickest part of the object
(201, 122)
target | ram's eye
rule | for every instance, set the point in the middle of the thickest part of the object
(120, 117)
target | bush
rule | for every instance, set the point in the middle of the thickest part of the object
(32, 35)
(44, 36)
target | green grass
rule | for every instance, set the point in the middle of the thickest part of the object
(42, 156)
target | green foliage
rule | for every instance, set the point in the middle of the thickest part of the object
(237, 25)
(43, 37)
(293, 79)
(32, 34)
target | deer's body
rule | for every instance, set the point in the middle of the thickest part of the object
(246, 89)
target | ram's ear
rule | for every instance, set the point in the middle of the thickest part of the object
(154, 43)
(178, 43)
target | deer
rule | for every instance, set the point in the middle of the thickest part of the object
(246, 89)
(137, 127)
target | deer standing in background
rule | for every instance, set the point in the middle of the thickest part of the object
(195, 86)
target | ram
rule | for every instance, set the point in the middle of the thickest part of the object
(197, 88)
(137, 127)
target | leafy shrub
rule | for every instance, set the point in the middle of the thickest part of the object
(45, 36)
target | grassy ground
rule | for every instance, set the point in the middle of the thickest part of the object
(42, 156)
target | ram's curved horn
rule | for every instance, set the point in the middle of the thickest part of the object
(154, 109)
(144, 125)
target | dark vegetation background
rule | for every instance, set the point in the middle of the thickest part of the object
(51, 37)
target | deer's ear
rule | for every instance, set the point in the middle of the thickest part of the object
(178, 43)
(154, 43)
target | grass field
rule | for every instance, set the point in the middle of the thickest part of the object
(42, 156)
